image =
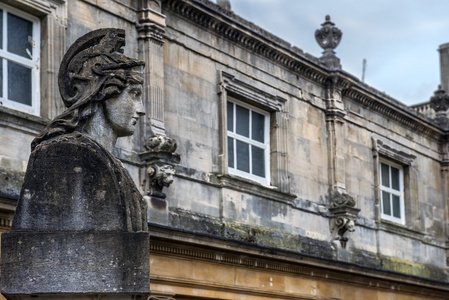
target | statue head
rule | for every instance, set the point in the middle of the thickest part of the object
(95, 75)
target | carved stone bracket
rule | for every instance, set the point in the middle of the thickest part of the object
(335, 87)
(150, 21)
(160, 159)
(342, 216)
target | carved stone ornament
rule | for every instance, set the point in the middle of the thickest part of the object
(150, 22)
(328, 37)
(440, 100)
(160, 159)
(342, 216)
(440, 103)
(81, 225)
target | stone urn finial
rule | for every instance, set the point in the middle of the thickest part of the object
(440, 103)
(225, 4)
(328, 37)
(440, 100)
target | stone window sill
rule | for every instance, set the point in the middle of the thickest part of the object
(22, 121)
(244, 185)
(397, 228)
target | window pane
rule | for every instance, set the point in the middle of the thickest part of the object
(258, 161)
(20, 31)
(395, 178)
(230, 152)
(1, 77)
(19, 83)
(258, 128)
(230, 115)
(1, 29)
(396, 206)
(385, 174)
(242, 156)
(386, 203)
(242, 120)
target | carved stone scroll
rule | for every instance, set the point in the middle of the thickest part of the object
(160, 160)
(342, 216)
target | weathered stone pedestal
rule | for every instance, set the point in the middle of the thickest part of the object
(83, 263)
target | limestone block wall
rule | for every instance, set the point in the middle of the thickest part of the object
(298, 218)
(202, 67)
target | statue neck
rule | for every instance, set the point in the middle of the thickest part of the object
(100, 130)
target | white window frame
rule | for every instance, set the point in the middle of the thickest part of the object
(265, 146)
(392, 191)
(32, 63)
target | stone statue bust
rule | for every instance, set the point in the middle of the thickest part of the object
(71, 169)
(80, 226)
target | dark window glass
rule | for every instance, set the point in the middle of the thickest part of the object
(230, 152)
(242, 156)
(1, 29)
(19, 83)
(258, 128)
(20, 32)
(396, 206)
(258, 161)
(386, 203)
(1, 77)
(395, 178)
(230, 117)
(385, 175)
(242, 121)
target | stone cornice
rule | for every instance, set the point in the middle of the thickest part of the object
(248, 35)
(169, 242)
(393, 110)
(227, 24)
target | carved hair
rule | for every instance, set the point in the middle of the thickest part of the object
(93, 70)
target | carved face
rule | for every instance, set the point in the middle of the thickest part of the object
(123, 112)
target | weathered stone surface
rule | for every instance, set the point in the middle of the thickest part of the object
(103, 262)
(72, 183)
(81, 226)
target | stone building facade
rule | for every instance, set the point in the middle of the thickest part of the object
(269, 173)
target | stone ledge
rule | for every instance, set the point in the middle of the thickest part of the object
(78, 297)
(364, 272)
(21, 121)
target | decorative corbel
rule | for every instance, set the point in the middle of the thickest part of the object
(335, 87)
(342, 216)
(160, 160)
(150, 21)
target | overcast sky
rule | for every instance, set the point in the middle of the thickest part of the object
(398, 38)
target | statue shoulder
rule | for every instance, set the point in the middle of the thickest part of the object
(67, 175)
(72, 147)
